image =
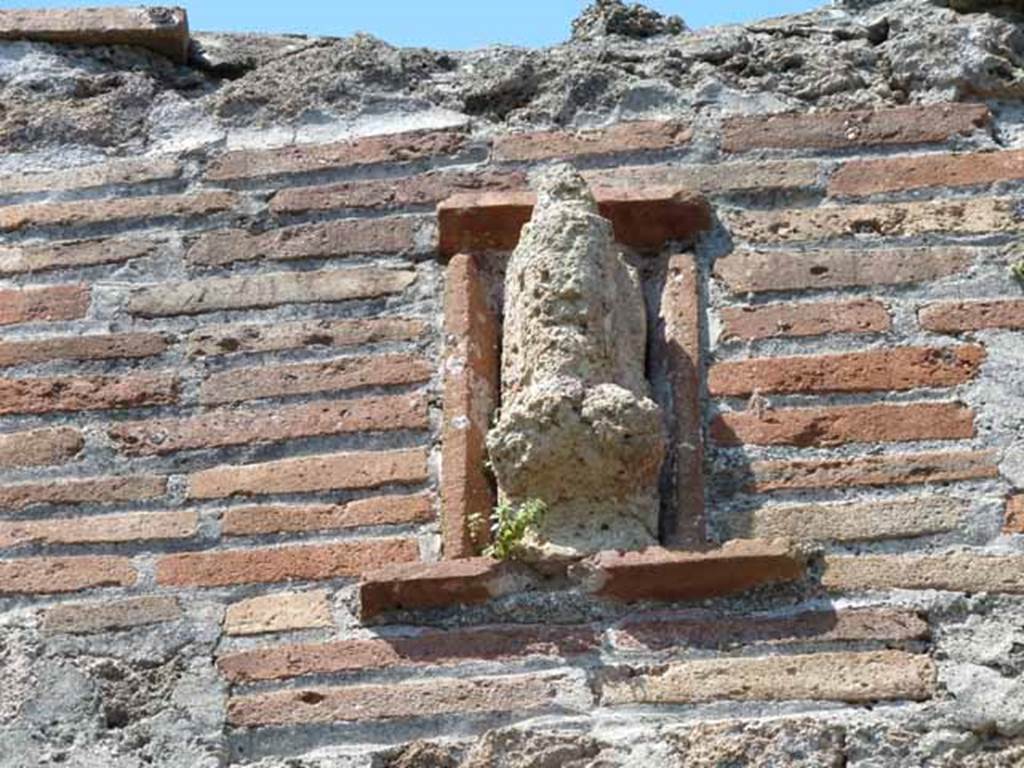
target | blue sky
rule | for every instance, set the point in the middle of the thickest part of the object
(434, 23)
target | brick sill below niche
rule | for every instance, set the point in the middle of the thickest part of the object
(652, 574)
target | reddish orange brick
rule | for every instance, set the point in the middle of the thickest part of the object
(860, 128)
(94, 393)
(53, 575)
(305, 378)
(369, 469)
(267, 565)
(222, 428)
(108, 529)
(433, 648)
(1014, 514)
(94, 490)
(892, 370)
(87, 618)
(214, 340)
(900, 469)
(40, 447)
(39, 305)
(381, 510)
(331, 239)
(132, 171)
(963, 316)
(307, 158)
(804, 319)
(82, 347)
(879, 423)
(623, 137)
(898, 174)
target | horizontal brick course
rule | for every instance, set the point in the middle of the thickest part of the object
(107, 529)
(86, 212)
(431, 648)
(257, 291)
(415, 586)
(843, 676)
(328, 240)
(433, 698)
(55, 575)
(857, 521)
(16, 260)
(215, 340)
(223, 428)
(804, 319)
(713, 178)
(110, 615)
(860, 128)
(266, 565)
(1014, 514)
(898, 174)
(368, 469)
(896, 369)
(953, 571)
(746, 271)
(82, 347)
(38, 305)
(899, 469)
(881, 423)
(954, 216)
(40, 447)
(380, 510)
(280, 612)
(86, 393)
(964, 316)
(308, 158)
(93, 490)
(133, 171)
(623, 137)
(344, 373)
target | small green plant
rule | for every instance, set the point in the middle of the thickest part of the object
(1017, 270)
(510, 524)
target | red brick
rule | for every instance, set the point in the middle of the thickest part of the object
(663, 574)
(804, 319)
(331, 239)
(645, 219)
(682, 632)
(109, 615)
(108, 529)
(898, 469)
(622, 137)
(40, 447)
(38, 305)
(93, 490)
(963, 316)
(898, 174)
(712, 178)
(431, 648)
(680, 347)
(53, 575)
(433, 698)
(368, 469)
(381, 510)
(343, 373)
(879, 423)
(215, 340)
(894, 370)
(82, 347)
(748, 271)
(222, 428)
(93, 393)
(133, 171)
(164, 30)
(16, 260)
(434, 585)
(309, 158)
(259, 291)
(267, 565)
(279, 612)
(967, 571)
(1014, 514)
(85, 212)
(859, 128)
(424, 189)
(471, 375)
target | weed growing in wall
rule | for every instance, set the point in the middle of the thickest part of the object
(510, 525)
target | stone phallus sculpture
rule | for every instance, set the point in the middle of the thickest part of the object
(577, 428)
